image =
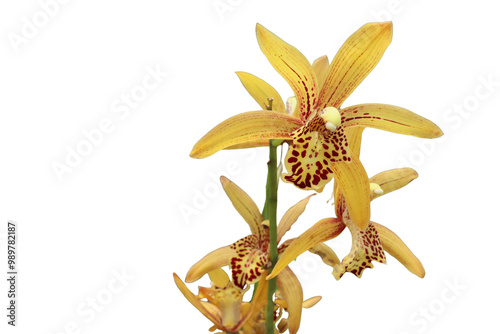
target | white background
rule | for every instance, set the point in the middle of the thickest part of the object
(120, 208)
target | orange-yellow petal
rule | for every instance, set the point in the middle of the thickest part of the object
(261, 91)
(353, 182)
(323, 230)
(293, 67)
(250, 144)
(397, 248)
(291, 216)
(218, 258)
(393, 179)
(218, 277)
(196, 303)
(291, 291)
(389, 118)
(320, 67)
(355, 60)
(311, 302)
(244, 204)
(243, 128)
(326, 253)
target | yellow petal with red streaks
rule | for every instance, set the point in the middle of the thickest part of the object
(293, 67)
(357, 57)
(244, 204)
(196, 303)
(291, 290)
(323, 230)
(354, 135)
(261, 91)
(320, 67)
(353, 182)
(390, 118)
(243, 128)
(291, 216)
(393, 179)
(397, 248)
(218, 258)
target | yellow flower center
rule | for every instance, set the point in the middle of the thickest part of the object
(332, 118)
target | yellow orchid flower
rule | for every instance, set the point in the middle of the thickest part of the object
(248, 257)
(320, 148)
(224, 305)
(367, 245)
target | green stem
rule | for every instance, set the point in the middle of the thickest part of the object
(270, 214)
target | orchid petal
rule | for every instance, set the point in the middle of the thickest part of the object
(291, 290)
(393, 179)
(216, 259)
(311, 302)
(308, 161)
(250, 144)
(320, 67)
(397, 248)
(258, 302)
(323, 230)
(390, 118)
(293, 67)
(243, 128)
(326, 253)
(366, 247)
(355, 60)
(353, 183)
(244, 204)
(261, 91)
(291, 216)
(196, 303)
(218, 277)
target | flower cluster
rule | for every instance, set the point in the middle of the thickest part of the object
(324, 143)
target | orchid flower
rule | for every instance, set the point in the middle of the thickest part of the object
(248, 258)
(319, 149)
(367, 245)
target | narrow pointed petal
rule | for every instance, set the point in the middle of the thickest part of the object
(354, 135)
(291, 216)
(195, 302)
(390, 118)
(243, 128)
(219, 277)
(393, 179)
(397, 248)
(244, 204)
(323, 230)
(357, 57)
(220, 257)
(250, 144)
(250, 260)
(326, 253)
(366, 247)
(353, 183)
(320, 67)
(311, 302)
(291, 290)
(261, 91)
(293, 67)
